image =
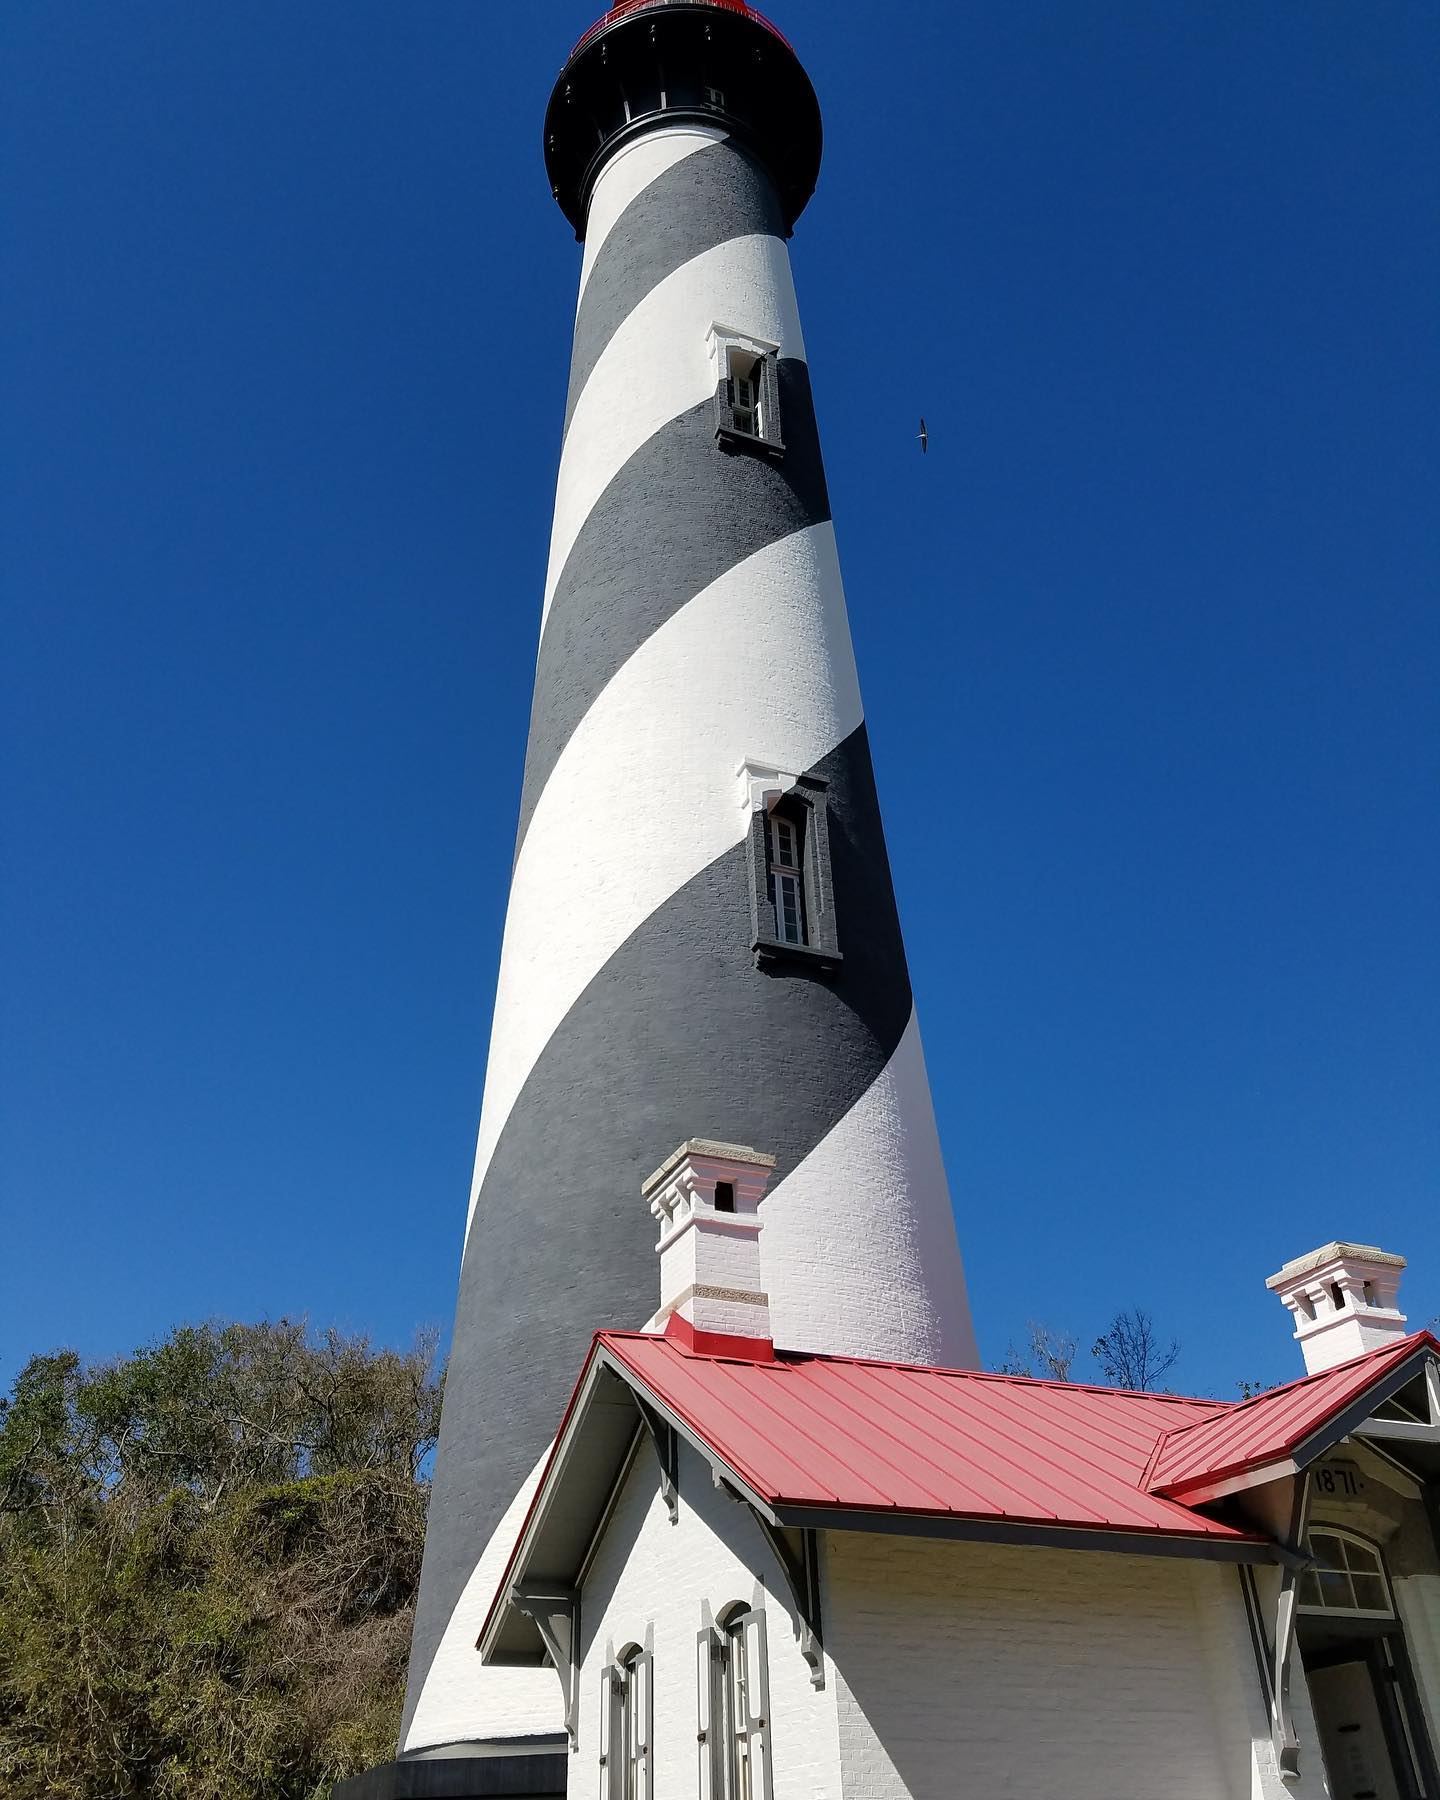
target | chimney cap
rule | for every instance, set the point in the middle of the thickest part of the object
(708, 1147)
(1316, 1260)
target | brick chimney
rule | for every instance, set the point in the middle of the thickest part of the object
(1342, 1297)
(706, 1198)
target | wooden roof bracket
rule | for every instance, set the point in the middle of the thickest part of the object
(666, 1444)
(556, 1612)
(798, 1553)
(1275, 1654)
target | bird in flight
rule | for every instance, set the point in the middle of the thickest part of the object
(924, 439)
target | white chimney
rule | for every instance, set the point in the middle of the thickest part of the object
(706, 1198)
(1343, 1301)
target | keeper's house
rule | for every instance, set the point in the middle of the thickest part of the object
(772, 1576)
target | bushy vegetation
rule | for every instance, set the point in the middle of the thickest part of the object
(209, 1553)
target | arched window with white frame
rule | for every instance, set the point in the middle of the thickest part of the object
(1348, 1577)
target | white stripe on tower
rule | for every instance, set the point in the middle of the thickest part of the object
(645, 794)
(693, 620)
(655, 368)
(628, 173)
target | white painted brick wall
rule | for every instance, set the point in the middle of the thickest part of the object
(1048, 1674)
(1242, 1718)
(648, 1584)
(1417, 1600)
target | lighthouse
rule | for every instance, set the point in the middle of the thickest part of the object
(702, 939)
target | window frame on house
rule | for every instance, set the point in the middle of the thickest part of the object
(733, 1701)
(1368, 1566)
(627, 1726)
(747, 391)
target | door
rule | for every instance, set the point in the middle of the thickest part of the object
(1352, 1733)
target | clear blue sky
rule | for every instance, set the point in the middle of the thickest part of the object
(1149, 641)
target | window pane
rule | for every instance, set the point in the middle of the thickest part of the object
(785, 843)
(1335, 1589)
(1310, 1589)
(1325, 1548)
(1360, 1557)
(789, 927)
(1370, 1593)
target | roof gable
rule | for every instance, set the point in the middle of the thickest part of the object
(1286, 1428)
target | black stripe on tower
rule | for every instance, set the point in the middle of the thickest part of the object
(674, 520)
(707, 199)
(677, 1032)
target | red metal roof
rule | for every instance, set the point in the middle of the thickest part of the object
(1267, 1429)
(630, 6)
(828, 1432)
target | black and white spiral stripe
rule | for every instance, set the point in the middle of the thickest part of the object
(694, 617)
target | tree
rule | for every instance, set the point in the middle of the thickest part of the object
(1048, 1354)
(1130, 1353)
(209, 1553)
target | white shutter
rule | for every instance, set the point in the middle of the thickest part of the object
(645, 1725)
(704, 1709)
(602, 1731)
(757, 1697)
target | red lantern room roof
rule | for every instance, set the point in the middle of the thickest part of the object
(627, 7)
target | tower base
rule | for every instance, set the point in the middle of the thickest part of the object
(517, 1769)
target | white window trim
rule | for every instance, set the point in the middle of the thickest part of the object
(1322, 1528)
(724, 342)
(720, 340)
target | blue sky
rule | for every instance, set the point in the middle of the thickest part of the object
(1149, 641)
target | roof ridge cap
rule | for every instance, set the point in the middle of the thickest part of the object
(783, 1356)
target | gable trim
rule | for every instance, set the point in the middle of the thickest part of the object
(1353, 1418)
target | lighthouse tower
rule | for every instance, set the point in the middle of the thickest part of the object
(702, 938)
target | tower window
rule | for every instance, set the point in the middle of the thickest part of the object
(787, 879)
(792, 888)
(747, 395)
(747, 413)
(724, 1196)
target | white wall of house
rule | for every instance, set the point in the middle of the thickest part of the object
(1417, 1600)
(649, 1584)
(1047, 1674)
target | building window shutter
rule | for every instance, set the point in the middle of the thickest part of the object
(757, 1698)
(705, 1657)
(770, 398)
(602, 1734)
(641, 1675)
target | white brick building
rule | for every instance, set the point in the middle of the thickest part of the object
(772, 1576)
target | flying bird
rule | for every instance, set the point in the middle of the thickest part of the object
(924, 439)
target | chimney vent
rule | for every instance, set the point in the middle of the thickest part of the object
(706, 1199)
(1342, 1298)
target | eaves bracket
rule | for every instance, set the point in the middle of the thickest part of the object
(1275, 1652)
(666, 1444)
(556, 1612)
(798, 1554)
